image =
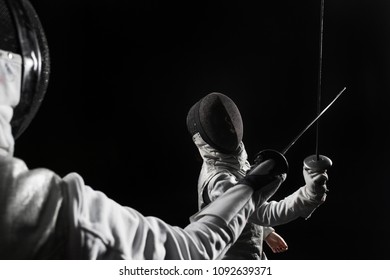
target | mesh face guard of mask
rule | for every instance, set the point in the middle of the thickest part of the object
(217, 118)
(21, 33)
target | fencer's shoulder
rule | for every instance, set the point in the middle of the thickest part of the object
(30, 201)
(14, 169)
(12, 164)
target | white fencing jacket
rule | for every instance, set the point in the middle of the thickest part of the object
(220, 172)
(43, 216)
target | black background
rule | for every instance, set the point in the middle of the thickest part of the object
(125, 73)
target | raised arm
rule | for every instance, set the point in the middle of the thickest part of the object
(301, 203)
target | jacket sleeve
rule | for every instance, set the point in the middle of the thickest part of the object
(43, 216)
(30, 206)
(219, 184)
(104, 229)
(267, 231)
(299, 204)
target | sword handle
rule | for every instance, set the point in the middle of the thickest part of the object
(317, 163)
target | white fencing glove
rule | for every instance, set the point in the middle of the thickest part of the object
(315, 183)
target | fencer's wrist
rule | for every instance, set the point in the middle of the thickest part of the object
(316, 192)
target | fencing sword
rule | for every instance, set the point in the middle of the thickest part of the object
(314, 162)
(315, 120)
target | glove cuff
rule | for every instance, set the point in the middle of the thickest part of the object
(317, 193)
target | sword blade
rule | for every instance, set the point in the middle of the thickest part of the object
(312, 122)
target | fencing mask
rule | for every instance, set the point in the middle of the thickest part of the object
(218, 120)
(21, 33)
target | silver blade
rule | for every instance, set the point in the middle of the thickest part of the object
(312, 122)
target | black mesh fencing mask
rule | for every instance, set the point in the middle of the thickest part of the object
(217, 118)
(21, 32)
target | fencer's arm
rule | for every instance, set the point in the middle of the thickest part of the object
(126, 231)
(45, 216)
(301, 203)
(296, 205)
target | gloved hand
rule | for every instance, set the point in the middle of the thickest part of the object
(315, 182)
(269, 165)
(262, 180)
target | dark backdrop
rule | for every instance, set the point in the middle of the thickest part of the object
(125, 73)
